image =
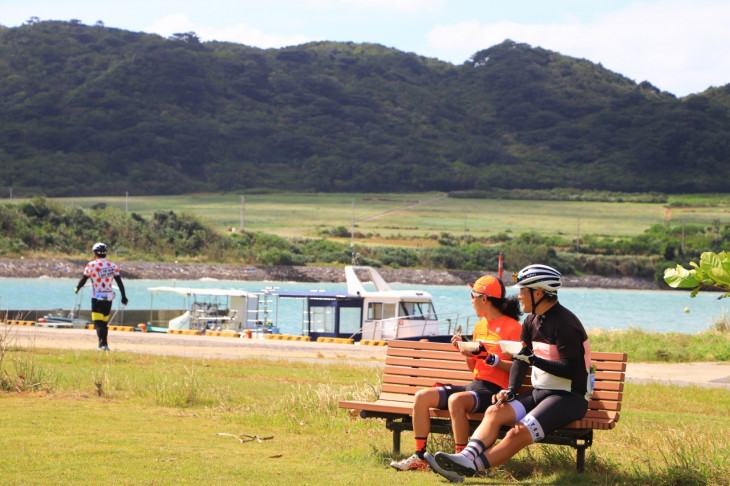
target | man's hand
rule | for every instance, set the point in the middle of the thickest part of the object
(125, 301)
(501, 397)
(527, 358)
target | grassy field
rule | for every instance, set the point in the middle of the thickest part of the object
(86, 418)
(418, 216)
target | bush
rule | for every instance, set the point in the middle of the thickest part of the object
(277, 256)
(397, 257)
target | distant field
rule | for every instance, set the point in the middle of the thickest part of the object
(417, 216)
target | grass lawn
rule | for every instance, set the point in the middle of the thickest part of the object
(83, 418)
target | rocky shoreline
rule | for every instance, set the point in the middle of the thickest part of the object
(29, 268)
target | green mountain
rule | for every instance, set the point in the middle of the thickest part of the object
(89, 110)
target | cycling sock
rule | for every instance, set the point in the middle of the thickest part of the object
(481, 462)
(473, 449)
(421, 446)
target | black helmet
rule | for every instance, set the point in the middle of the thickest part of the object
(99, 249)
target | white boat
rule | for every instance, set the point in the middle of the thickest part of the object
(213, 309)
(381, 314)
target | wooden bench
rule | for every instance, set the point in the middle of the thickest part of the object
(413, 365)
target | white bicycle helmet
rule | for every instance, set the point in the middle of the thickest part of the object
(99, 249)
(538, 277)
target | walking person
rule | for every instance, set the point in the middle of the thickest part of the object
(556, 345)
(490, 367)
(102, 273)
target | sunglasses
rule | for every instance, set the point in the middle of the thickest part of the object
(476, 295)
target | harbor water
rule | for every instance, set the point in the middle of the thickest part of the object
(608, 309)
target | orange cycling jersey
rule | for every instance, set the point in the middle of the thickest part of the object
(503, 328)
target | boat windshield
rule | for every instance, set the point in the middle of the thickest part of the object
(418, 310)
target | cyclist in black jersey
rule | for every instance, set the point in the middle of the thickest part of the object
(556, 345)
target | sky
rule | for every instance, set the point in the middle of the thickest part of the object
(679, 46)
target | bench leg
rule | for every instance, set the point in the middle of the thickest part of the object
(580, 458)
(396, 441)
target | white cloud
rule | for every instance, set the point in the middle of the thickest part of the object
(170, 25)
(238, 33)
(678, 46)
(396, 5)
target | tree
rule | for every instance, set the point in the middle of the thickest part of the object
(187, 37)
(713, 272)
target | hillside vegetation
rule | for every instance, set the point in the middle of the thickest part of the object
(41, 228)
(91, 110)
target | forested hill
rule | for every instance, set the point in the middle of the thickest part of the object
(88, 110)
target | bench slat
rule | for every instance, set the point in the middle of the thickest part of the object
(603, 405)
(426, 363)
(404, 389)
(427, 354)
(596, 424)
(601, 415)
(610, 376)
(615, 386)
(396, 397)
(607, 395)
(609, 365)
(608, 356)
(425, 382)
(432, 373)
(428, 345)
(379, 406)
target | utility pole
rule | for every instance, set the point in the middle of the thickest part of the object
(355, 257)
(463, 239)
(243, 212)
(682, 237)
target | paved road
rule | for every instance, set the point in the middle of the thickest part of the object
(715, 375)
(193, 346)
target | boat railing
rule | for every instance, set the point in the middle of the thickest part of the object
(458, 323)
(448, 324)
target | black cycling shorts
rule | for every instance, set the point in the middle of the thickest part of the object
(544, 411)
(482, 392)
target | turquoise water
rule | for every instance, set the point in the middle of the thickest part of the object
(651, 310)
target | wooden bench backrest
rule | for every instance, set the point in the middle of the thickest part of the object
(413, 365)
